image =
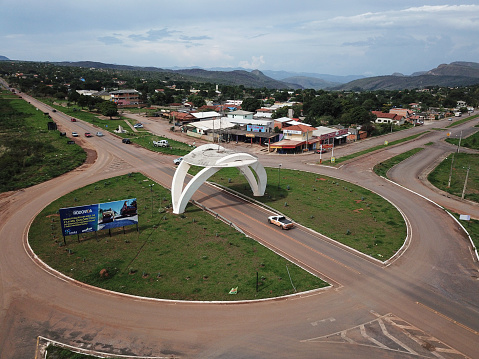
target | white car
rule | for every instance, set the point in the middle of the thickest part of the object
(74, 134)
(161, 143)
(99, 134)
(178, 160)
(138, 125)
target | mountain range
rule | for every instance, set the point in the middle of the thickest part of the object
(459, 73)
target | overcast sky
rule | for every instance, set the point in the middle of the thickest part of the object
(342, 37)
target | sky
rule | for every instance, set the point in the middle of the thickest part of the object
(342, 37)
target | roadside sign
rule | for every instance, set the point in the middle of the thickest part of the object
(333, 159)
(386, 143)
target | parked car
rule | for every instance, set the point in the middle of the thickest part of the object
(322, 150)
(126, 140)
(178, 160)
(138, 125)
(74, 134)
(161, 143)
(73, 119)
(99, 134)
(450, 119)
(88, 134)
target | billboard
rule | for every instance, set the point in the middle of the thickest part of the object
(255, 128)
(95, 217)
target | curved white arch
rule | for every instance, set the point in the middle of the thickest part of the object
(243, 161)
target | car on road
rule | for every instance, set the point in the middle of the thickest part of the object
(74, 134)
(281, 221)
(73, 119)
(449, 119)
(178, 160)
(138, 125)
(322, 150)
(126, 140)
(88, 134)
(100, 134)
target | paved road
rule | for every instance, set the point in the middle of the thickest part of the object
(422, 304)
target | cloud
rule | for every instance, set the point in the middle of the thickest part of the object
(110, 40)
(194, 38)
(255, 63)
(153, 35)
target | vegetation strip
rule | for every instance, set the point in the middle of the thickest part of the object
(372, 149)
(456, 167)
(461, 121)
(30, 153)
(382, 168)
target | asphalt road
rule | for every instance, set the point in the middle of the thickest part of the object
(423, 303)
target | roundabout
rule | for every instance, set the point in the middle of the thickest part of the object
(429, 292)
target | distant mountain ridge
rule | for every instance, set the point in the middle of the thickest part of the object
(459, 73)
(254, 79)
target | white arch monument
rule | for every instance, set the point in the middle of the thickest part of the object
(213, 158)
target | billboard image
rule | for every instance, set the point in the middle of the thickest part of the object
(94, 217)
(117, 214)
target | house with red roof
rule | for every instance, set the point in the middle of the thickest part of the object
(391, 118)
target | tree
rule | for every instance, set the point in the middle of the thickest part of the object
(108, 108)
(251, 104)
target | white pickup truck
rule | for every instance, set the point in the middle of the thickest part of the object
(161, 143)
(281, 221)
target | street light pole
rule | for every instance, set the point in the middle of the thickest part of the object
(465, 182)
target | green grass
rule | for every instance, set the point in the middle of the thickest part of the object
(382, 168)
(183, 257)
(55, 352)
(29, 152)
(145, 139)
(469, 142)
(360, 153)
(340, 210)
(439, 177)
(472, 227)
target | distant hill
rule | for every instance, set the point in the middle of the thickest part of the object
(3, 58)
(254, 79)
(310, 82)
(282, 75)
(454, 74)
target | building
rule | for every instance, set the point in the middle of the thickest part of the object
(392, 118)
(126, 97)
(181, 118)
(295, 139)
(241, 114)
(207, 115)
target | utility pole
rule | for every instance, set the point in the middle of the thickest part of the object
(465, 182)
